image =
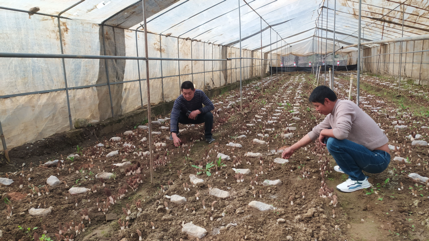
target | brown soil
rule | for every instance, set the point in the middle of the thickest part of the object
(381, 214)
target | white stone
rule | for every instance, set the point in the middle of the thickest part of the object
(232, 144)
(143, 139)
(251, 154)
(164, 128)
(40, 211)
(116, 138)
(129, 145)
(73, 155)
(127, 133)
(104, 175)
(296, 118)
(272, 182)
(242, 136)
(291, 128)
(287, 135)
(53, 181)
(258, 116)
(160, 144)
(219, 193)
(260, 206)
(398, 158)
(241, 171)
(223, 157)
(143, 127)
(195, 180)
(51, 163)
(78, 190)
(417, 177)
(281, 160)
(418, 136)
(194, 231)
(112, 153)
(176, 199)
(419, 143)
(99, 145)
(259, 141)
(394, 122)
(5, 181)
(156, 122)
(391, 147)
(156, 133)
(281, 220)
(250, 124)
(122, 164)
(400, 126)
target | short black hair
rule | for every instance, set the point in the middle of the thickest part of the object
(320, 93)
(187, 85)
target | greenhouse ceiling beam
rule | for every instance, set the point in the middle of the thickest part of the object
(133, 14)
(373, 30)
(268, 45)
(281, 38)
(372, 5)
(284, 47)
(324, 29)
(254, 34)
(202, 23)
(29, 12)
(74, 56)
(387, 21)
(193, 16)
(404, 3)
(412, 38)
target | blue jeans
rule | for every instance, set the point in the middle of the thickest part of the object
(353, 158)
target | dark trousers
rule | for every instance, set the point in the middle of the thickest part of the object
(206, 118)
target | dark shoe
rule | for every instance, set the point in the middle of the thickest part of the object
(210, 140)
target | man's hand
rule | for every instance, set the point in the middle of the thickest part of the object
(321, 138)
(194, 114)
(287, 152)
(176, 140)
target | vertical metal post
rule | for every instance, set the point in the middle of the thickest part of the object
(213, 65)
(421, 61)
(402, 47)
(107, 70)
(192, 63)
(326, 42)
(262, 65)
(148, 93)
(358, 63)
(412, 63)
(162, 75)
(178, 63)
(220, 66)
(333, 51)
(138, 68)
(2, 138)
(65, 76)
(271, 56)
(239, 27)
(204, 67)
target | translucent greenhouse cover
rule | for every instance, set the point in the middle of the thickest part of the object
(292, 22)
(33, 99)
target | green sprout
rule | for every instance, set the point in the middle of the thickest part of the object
(206, 169)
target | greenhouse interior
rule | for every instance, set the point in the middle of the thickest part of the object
(292, 104)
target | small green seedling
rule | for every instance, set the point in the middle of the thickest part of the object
(71, 158)
(28, 231)
(45, 238)
(369, 193)
(206, 170)
(79, 150)
(219, 163)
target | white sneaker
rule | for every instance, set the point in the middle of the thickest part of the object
(338, 169)
(351, 186)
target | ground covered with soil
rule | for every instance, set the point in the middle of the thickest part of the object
(237, 188)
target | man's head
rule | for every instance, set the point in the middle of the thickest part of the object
(323, 99)
(188, 90)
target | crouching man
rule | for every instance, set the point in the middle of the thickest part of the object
(351, 136)
(188, 109)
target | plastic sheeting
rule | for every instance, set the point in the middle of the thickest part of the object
(213, 27)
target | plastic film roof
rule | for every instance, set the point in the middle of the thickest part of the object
(285, 23)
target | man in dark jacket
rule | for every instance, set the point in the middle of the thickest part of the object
(188, 109)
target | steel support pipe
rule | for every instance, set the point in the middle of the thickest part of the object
(333, 49)
(149, 114)
(359, 52)
(239, 27)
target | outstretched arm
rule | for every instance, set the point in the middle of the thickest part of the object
(301, 143)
